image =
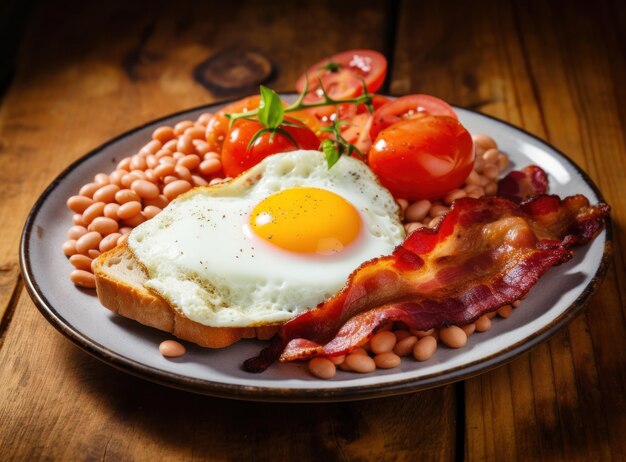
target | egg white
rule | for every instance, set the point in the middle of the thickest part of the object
(202, 257)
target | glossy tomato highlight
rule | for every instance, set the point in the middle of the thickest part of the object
(236, 157)
(423, 158)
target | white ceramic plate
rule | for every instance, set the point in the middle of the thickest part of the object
(134, 348)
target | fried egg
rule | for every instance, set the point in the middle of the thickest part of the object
(280, 238)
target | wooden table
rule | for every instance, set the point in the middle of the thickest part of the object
(84, 75)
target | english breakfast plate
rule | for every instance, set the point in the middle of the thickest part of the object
(132, 347)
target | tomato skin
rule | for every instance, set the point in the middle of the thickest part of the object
(406, 155)
(356, 67)
(237, 158)
(407, 107)
(217, 129)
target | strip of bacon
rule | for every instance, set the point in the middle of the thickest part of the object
(486, 253)
(520, 185)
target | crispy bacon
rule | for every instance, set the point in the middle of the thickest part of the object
(486, 253)
(520, 185)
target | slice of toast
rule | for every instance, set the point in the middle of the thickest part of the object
(119, 283)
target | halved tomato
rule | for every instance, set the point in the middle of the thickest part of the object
(342, 75)
(357, 132)
(409, 107)
(217, 129)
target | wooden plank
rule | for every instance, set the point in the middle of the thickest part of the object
(85, 83)
(556, 72)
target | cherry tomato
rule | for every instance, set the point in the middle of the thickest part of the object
(408, 107)
(236, 157)
(423, 158)
(217, 129)
(342, 75)
(378, 101)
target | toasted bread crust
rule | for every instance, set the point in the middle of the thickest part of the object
(119, 284)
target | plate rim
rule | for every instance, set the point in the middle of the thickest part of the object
(286, 394)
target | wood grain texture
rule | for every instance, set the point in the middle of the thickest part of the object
(83, 77)
(556, 71)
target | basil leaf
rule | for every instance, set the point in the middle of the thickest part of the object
(271, 110)
(331, 153)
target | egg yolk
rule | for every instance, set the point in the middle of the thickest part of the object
(306, 220)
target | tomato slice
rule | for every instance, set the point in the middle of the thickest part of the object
(409, 107)
(342, 75)
(217, 129)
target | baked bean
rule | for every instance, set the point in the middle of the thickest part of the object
(152, 161)
(366, 346)
(116, 176)
(401, 334)
(491, 156)
(76, 231)
(491, 171)
(163, 153)
(124, 164)
(81, 262)
(474, 188)
(89, 189)
(491, 314)
(505, 311)
(424, 348)
(109, 242)
(93, 211)
(453, 336)
(182, 172)
(205, 118)
(198, 181)
(135, 220)
(484, 181)
(410, 227)
(190, 161)
(152, 147)
(344, 367)
(422, 333)
(78, 220)
(79, 204)
(110, 210)
(163, 134)
(491, 189)
(145, 189)
(469, 328)
(405, 346)
(163, 170)
(175, 188)
(403, 204)
(438, 210)
(477, 194)
(503, 162)
(106, 193)
(322, 368)
(161, 201)
(201, 146)
(129, 209)
(125, 229)
(180, 127)
(101, 179)
(382, 342)
(212, 155)
(69, 247)
(151, 177)
(129, 179)
(417, 210)
(123, 238)
(454, 195)
(435, 222)
(210, 166)
(195, 133)
(138, 162)
(387, 360)
(336, 360)
(516, 303)
(93, 253)
(83, 278)
(168, 160)
(126, 195)
(483, 324)
(185, 145)
(171, 349)
(472, 179)
(103, 225)
(150, 211)
(215, 181)
(91, 240)
(171, 145)
(359, 351)
(484, 141)
(360, 363)
(177, 156)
